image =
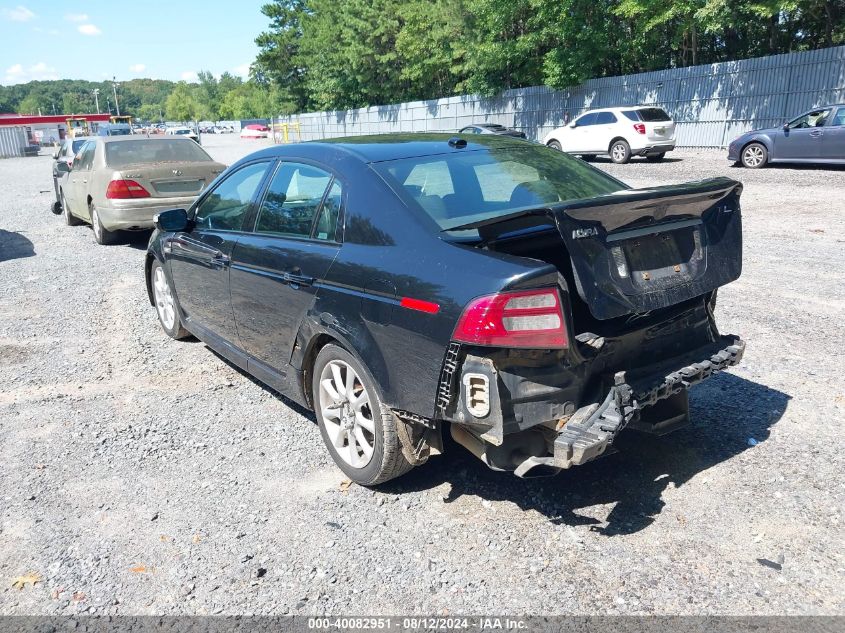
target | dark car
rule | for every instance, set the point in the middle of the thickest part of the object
(817, 136)
(401, 284)
(491, 128)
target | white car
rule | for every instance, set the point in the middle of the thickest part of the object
(618, 132)
(183, 131)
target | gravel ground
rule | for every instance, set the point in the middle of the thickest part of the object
(145, 476)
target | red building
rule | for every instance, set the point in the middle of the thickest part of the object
(46, 130)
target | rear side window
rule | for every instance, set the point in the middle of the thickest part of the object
(631, 114)
(292, 201)
(654, 114)
(154, 150)
(603, 118)
(225, 208)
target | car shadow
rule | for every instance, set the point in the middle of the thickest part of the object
(14, 245)
(730, 414)
(136, 239)
(635, 160)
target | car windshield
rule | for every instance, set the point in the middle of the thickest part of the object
(182, 132)
(654, 114)
(461, 188)
(150, 150)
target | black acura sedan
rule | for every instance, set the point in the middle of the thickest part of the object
(403, 285)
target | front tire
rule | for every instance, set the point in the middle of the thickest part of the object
(165, 301)
(102, 236)
(754, 156)
(620, 152)
(555, 145)
(360, 433)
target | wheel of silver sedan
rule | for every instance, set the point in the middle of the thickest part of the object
(164, 299)
(347, 413)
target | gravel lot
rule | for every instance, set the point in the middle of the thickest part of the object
(140, 475)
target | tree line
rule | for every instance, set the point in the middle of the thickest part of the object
(211, 98)
(324, 54)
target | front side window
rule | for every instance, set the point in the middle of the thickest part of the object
(587, 119)
(292, 201)
(815, 118)
(226, 207)
(462, 188)
(85, 158)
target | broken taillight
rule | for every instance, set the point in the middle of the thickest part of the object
(526, 318)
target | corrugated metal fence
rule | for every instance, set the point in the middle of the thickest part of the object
(712, 104)
(12, 141)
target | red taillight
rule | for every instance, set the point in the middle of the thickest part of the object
(122, 189)
(529, 318)
(640, 128)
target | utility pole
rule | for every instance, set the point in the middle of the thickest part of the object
(108, 105)
(97, 99)
(114, 86)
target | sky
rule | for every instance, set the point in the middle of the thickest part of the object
(95, 40)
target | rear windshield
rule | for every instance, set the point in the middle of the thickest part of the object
(460, 188)
(654, 114)
(154, 150)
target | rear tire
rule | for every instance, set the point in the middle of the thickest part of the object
(101, 235)
(359, 431)
(620, 151)
(70, 219)
(655, 158)
(554, 145)
(754, 156)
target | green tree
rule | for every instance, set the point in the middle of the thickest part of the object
(181, 105)
(30, 104)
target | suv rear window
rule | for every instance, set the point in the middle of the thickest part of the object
(154, 150)
(653, 114)
(459, 188)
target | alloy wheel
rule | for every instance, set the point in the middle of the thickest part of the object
(347, 414)
(619, 152)
(164, 299)
(753, 156)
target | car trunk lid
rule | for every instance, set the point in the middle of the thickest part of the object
(170, 180)
(639, 250)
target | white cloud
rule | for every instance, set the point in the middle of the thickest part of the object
(88, 29)
(137, 68)
(189, 75)
(19, 14)
(242, 70)
(17, 74)
(76, 17)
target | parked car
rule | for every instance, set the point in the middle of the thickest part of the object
(617, 132)
(120, 182)
(491, 128)
(183, 131)
(255, 130)
(114, 129)
(402, 284)
(65, 154)
(817, 136)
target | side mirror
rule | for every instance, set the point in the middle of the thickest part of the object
(62, 167)
(171, 221)
(573, 125)
(786, 127)
(55, 156)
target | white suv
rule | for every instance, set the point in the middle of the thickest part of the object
(618, 132)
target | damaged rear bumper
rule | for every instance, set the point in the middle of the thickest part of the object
(591, 429)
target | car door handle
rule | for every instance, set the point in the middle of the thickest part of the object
(220, 260)
(816, 133)
(298, 280)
